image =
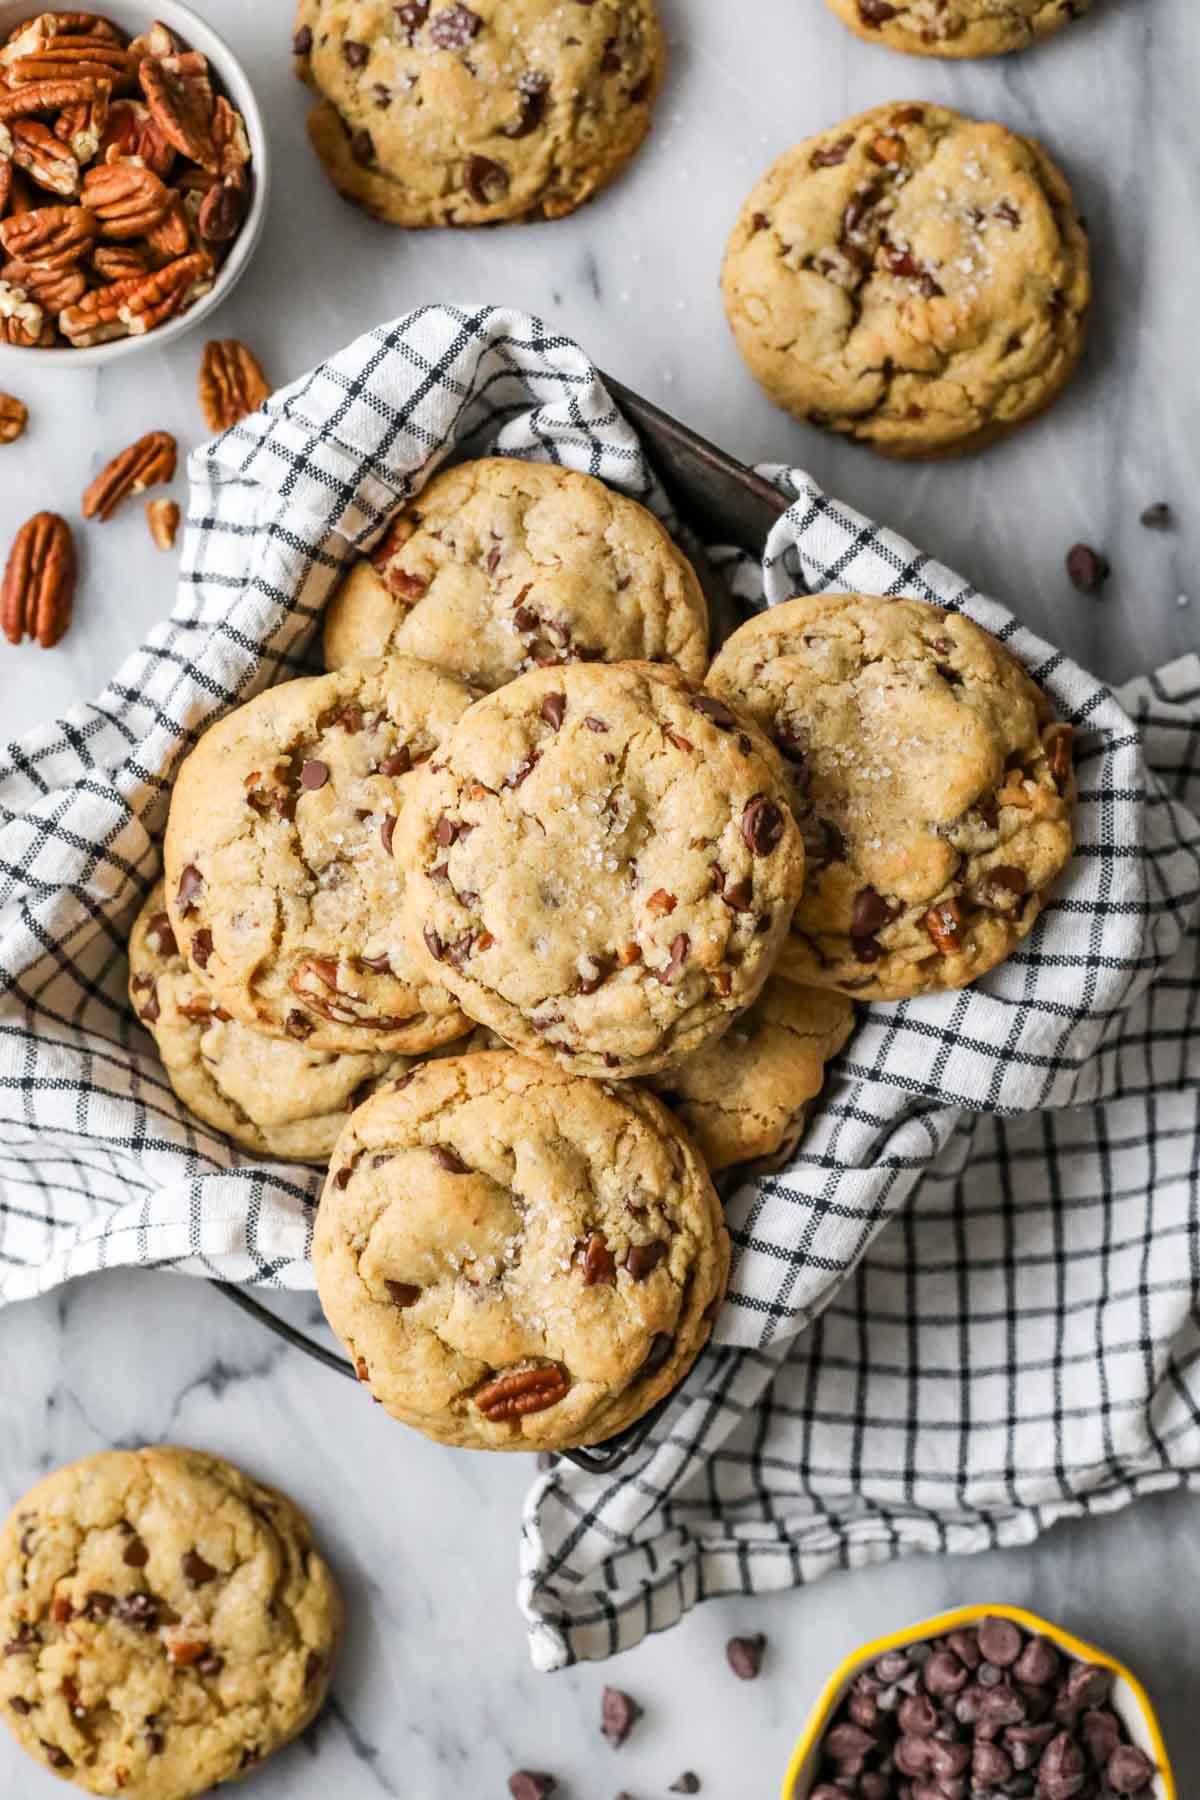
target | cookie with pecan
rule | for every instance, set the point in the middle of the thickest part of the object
(916, 280)
(284, 887)
(933, 786)
(499, 566)
(515, 1258)
(166, 1622)
(434, 113)
(601, 865)
(957, 27)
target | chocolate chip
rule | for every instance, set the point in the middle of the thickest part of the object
(136, 1554)
(402, 1293)
(532, 91)
(138, 1611)
(448, 1160)
(19, 1706)
(1087, 568)
(1062, 1770)
(875, 12)
(362, 145)
(849, 1740)
(1001, 889)
(58, 1759)
(355, 53)
(1157, 517)
(745, 1655)
(98, 1605)
(433, 943)
(398, 763)
(918, 1715)
(523, 769)
(314, 1662)
(302, 42)
(191, 884)
(762, 825)
(412, 16)
(680, 946)
(715, 711)
(297, 1025)
(554, 710)
(446, 831)
(486, 181)
(944, 1674)
(688, 1783)
(1128, 1769)
(595, 724)
(619, 1713)
(531, 1784)
(454, 27)
(642, 1259)
(196, 1572)
(1038, 1663)
(160, 935)
(658, 1356)
(832, 155)
(869, 913)
(314, 774)
(386, 833)
(154, 1741)
(201, 948)
(210, 1665)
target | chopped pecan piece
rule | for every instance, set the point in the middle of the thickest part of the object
(50, 237)
(129, 201)
(1001, 889)
(521, 1391)
(179, 93)
(39, 582)
(162, 517)
(129, 308)
(82, 126)
(1060, 756)
(596, 1260)
(142, 465)
(944, 923)
(14, 416)
(22, 320)
(52, 164)
(231, 383)
(229, 136)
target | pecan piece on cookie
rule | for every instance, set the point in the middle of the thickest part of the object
(144, 464)
(179, 93)
(521, 1391)
(22, 320)
(49, 237)
(128, 200)
(129, 308)
(231, 383)
(14, 416)
(39, 582)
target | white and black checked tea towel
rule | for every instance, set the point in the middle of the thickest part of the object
(1021, 1342)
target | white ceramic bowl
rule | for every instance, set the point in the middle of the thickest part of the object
(1128, 1700)
(230, 78)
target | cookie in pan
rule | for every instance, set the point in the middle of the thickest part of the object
(911, 278)
(518, 1259)
(499, 566)
(931, 780)
(957, 27)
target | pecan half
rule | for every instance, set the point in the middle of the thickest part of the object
(162, 517)
(229, 137)
(180, 97)
(50, 237)
(220, 214)
(6, 184)
(128, 201)
(120, 262)
(51, 288)
(171, 238)
(55, 46)
(521, 1391)
(52, 164)
(158, 41)
(130, 131)
(82, 126)
(14, 416)
(142, 465)
(231, 384)
(42, 99)
(129, 308)
(21, 319)
(39, 581)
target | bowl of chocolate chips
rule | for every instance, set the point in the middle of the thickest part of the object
(985, 1703)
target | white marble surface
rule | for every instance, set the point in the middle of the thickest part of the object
(435, 1698)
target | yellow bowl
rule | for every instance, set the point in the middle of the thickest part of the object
(1129, 1699)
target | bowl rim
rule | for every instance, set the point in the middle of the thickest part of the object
(197, 34)
(953, 1620)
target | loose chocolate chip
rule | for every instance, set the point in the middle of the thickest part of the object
(196, 1572)
(1100, 1731)
(486, 181)
(619, 1713)
(136, 1554)
(642, 1259)
(1038, 1663)
(1000, 1641)
(402, 1293)
(554, 710)
(745, 1655)
(454, 27)
(912, 1755)
(715, 711)
(1087, 568)
(202, 948)
(688, 1783)
(848, 1740)
(991, 1766)
(1087, 1684)
(1062, 1770)
(302, 42)
(1157, 517)
(1128, 1770)
(398, 763)
(918, 1715)
(448, 1160)
(314, 774)
(944, 1674)
(762, 825)
(191, 882)
(892, 1666)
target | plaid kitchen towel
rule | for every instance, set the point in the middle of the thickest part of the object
(1062, 1278)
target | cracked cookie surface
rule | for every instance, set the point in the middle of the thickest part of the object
(500, 566)
(166, 1622)
(272, 1095)
(914, 279)
(445, 114)
(744, 1096)
(601, 865)
(932, 785)
(284, 886)
(957, 27)
(518, 1259)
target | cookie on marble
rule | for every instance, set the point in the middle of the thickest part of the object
(745, 1095)
(957, 27)
(601, 865)
(501, 566)
(916, 280)
(283, 885)
(444, 114)
(515, 1258)
(166, 1622)
(272, 1095)
(932, 784)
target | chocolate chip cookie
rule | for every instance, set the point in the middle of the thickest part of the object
(283, 885)
(933, 787)
(916, 280)
(518, 1259)
(601, 865)
(957, 27)
(166, 1622)
(443, 114)
(501, 566)
(744, 1095)
(272, 1095)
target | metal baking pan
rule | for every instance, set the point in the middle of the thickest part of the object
(718, 500)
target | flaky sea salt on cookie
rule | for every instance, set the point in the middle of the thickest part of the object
(912, 278)
(957, 27)
(601, 865)
(932, 783)
(500, 566)
(167, 1623)
(515, 1258)
(283, 884)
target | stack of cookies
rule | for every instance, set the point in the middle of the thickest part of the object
(528, 924)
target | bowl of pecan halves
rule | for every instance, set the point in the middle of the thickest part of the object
(133, 177)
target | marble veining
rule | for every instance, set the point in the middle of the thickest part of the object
(435, 1697)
